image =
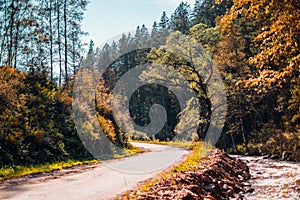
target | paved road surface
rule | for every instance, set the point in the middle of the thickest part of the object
(104, 181)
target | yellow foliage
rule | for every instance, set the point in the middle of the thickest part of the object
(278, 57)
(108, 128)
(65, 98)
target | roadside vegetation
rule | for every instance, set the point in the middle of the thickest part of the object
(253, 44)
(20, 171)
(17, 171)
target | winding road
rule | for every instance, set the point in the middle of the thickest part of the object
(103, 181)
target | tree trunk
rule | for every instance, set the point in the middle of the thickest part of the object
(59, 42)
(5, 32)
(244, 136)
(51, 41)
(66, 42)
(11, 34)
(233, 143)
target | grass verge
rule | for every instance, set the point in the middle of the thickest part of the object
(129, 152)
(20, 171)
(10, 172)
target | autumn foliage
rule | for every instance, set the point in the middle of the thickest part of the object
(36, 124)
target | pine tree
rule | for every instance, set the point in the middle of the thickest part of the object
(180, 19)
(164, 21)
(206, 11)
(145, 36)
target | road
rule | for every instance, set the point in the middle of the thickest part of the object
(104, 181)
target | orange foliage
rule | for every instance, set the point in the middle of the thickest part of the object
(108, 128)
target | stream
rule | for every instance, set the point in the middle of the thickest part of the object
(273, 180)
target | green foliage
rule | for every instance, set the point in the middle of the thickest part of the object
(180, 19)
(206, 11)
(255, 45)
(36, 124)
(139, 136)
(207, 37)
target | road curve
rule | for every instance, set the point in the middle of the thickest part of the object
(102, 182)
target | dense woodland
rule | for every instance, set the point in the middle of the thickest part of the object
(254, 44)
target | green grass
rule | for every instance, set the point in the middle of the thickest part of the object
(10, 172)
(129, 152)
(199, 151)
(20, 171)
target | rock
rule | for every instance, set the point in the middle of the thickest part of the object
(195, 189)
(225, 187)
(211, 188)
(241, 177)
(185, 194)
(230, 191)
(240, 196)
(254, 152)
(285, 194)
(208, 198)
(246, 184)
(250, 190)
(241, 193)
(287, 155)
(275, 157)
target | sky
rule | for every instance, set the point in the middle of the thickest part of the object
(105, 19)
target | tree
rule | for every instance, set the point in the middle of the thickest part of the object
(66, 41)
(164, 21)
(50, 9)
(35, 120)
(180, 19)
(14, 30)
(155, 31)
(29, 28)
(207, 37)
(207, 11)
(274, 71)
(144, 35)
(195, 69)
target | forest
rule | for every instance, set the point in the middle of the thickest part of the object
(253, 44)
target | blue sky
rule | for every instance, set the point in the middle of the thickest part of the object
(105, 19)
